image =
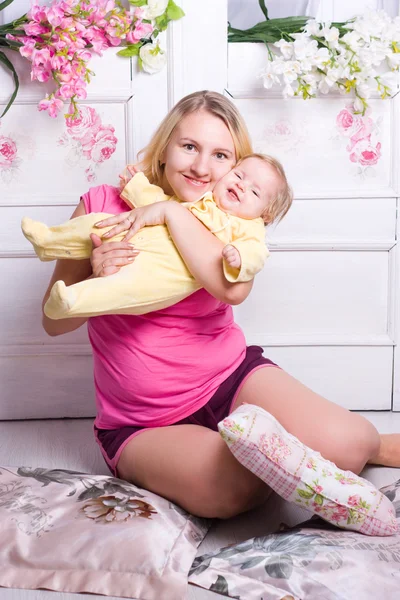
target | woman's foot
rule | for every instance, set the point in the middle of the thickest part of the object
(389, 452)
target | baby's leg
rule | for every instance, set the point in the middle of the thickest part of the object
(69, 240)
(127, 292)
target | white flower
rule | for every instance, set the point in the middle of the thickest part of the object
(313, 28)
(304, 48)
(268, 76)
(290, 70)
(321, 57)
(154, 8)
(285, 47)
(153, 58)
(331, 34)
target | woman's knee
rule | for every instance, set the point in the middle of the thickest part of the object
(233, 498)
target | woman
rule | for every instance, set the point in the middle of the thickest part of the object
(164, 380)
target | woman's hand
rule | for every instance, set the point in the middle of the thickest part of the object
(126, 175)
(107, 259)
(132, 221)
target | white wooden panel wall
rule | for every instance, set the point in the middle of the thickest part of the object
(326, 303)
(43, 377)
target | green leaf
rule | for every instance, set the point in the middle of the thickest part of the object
(319, 499)
(132, 50)
(304, 494)
(174, 12)
(5, 4)
(138, 2)
(8, 64)
(162, 22)
(263, 8)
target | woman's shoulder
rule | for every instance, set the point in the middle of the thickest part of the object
(104, 198)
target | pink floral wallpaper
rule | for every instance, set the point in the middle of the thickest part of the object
(88, 139)
(362, 133)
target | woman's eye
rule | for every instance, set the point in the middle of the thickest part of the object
(221, 155)
(189, 146)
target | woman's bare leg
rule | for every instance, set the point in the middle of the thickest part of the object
(347, 439)
(193, 467)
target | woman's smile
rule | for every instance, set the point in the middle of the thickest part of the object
(196, 182)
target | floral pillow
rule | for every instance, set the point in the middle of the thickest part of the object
(313, 560)
(303, 476)
(72, 532)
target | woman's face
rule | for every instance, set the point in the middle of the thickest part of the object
(199, 153)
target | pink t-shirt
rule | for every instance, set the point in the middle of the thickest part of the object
(158, 368)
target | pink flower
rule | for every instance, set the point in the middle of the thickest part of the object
(66, 91)
(365, 129)
(348, 123)
(37, 13)
(41, 74)
(365, 153)
(8, 151)
(318, 489)
(141, 30)
(84, 127)
(90, 175)
(52, 105)
(354, 500)
(102, 145)
(35, 28)
(340, 513)
(55, 15)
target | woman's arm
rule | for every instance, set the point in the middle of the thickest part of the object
(202, 253)
(199, 248)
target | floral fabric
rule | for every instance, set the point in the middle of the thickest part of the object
(312, 561)
(67, 531)
(303, 476)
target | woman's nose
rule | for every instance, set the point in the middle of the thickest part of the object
(200, 165)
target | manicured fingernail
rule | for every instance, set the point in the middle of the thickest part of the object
(106, 235)
(99, 223)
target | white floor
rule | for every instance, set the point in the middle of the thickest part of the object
(69, 444)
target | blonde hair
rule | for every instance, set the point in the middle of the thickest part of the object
(212, 102)
(282, 200)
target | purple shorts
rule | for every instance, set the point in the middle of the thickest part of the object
(113, 441)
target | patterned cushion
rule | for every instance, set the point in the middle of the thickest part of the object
(303, 476)
(312, 561)
(72, 532)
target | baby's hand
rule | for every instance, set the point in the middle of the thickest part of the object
(127, 174)
(232, 256)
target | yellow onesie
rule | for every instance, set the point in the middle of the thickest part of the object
(158, 277)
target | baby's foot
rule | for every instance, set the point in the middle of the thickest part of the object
(60, 301)
(38, 234)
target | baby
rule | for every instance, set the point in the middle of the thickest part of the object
(252, 194)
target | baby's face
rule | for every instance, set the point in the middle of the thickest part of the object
(247, 190)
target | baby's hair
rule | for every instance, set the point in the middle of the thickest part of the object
(282, 201)
(211, 102)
